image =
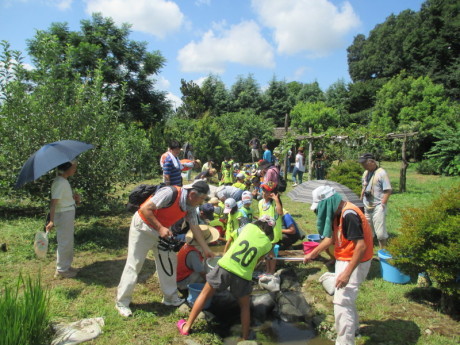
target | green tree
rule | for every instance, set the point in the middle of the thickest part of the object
(316, 115)
(277, 102)
(445, 152)
(310, 92)
(337, 97)
(64, 107)
(127, 64)
(408, 103)
(245, 94)
(193, 101)
(216, 95)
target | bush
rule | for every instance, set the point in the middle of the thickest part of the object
(347, 173)
(24, 317)
(427, 167)
(430, 242)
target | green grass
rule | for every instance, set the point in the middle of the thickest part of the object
(390, 314)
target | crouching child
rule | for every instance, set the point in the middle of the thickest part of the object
(235, 270)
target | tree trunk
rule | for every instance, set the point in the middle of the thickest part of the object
(404, 165)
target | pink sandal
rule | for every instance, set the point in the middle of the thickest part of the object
(180, 326)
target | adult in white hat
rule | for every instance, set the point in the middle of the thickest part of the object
(352, 236)
(190, 259)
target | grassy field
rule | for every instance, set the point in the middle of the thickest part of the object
(390, 314)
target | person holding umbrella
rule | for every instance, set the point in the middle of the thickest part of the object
(62, 216)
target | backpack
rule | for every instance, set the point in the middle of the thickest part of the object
(142, 192)
(282, 185)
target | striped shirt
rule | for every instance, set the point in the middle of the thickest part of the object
(175, 176)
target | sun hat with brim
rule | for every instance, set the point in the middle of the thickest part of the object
(200, 186)
(321, 193)
(209, 233)
(229, 203)
(364, 157)
(214, 201)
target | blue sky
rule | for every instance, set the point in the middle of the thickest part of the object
(301, 40)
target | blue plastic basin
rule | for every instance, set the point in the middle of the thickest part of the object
(390, 273)
(314, 238)
(193, 291)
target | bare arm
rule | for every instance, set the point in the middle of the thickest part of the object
(279, 208)
(290, 230)
(53, 203)
(198, 236)
(386, 196)
(325, 243)
(343, 278)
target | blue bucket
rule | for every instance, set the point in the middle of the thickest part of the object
(390, 273)
(314, 238)
(193, 291)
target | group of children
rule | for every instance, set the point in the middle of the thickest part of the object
(247, 240)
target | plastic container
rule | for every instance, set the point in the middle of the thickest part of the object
(314, 238)
(193, 291)
(276, 249)
(309, 246)
(390, 273)
(212, 262)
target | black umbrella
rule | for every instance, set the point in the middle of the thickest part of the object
(303, 191)
(48, 157)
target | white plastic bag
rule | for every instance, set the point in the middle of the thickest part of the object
(270, 282)
(77, 332)
(41, 244)
(328, 282)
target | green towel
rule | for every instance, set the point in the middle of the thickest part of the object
(326, 209)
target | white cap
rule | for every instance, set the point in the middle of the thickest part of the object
(229, 204)
(246, 198)
(319, 194)
(240, 175)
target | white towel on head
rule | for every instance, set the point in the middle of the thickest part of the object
(176, 162)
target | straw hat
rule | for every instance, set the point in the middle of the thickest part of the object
(209, 233)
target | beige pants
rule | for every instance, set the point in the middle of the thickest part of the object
(377, 220)
(346, 315)
(65, 226)
(141, 239)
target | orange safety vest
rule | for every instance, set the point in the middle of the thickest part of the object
(169, 215)
(344, 248)
(183, 271)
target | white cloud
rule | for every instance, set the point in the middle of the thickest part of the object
(62, 4)
(299, 72)
(162, 83)
(200, 81)
(315, 26)
(175, 100)
(155, 17)
(242, 43)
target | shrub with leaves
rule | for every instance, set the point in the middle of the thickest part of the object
(427, 167)
(24, 313)
(446, 151)
(347, 173)
(430, 241)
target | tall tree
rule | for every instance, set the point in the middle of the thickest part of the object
(277, 102)
(194, 102)
(216, 95)
(316, 115)
(310, 92)
(337, 97)
(245, 94)
(126, 63)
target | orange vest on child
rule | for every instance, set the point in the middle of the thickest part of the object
(344, 248)
(183, 271)
(169, 215)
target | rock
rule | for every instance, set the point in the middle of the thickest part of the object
(224, 305)
(184, 309)
(262, 306)
(4, 247)
(289, 279)
(428, 331)
(292, 307)
(247, 342)
(191, 342)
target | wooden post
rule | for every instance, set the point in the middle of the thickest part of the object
(404, 165)
(310, 153)
(286, 157)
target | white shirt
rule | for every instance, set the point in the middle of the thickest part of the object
(61, 190)
(299, 164)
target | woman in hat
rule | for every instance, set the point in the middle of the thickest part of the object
(190, 267)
